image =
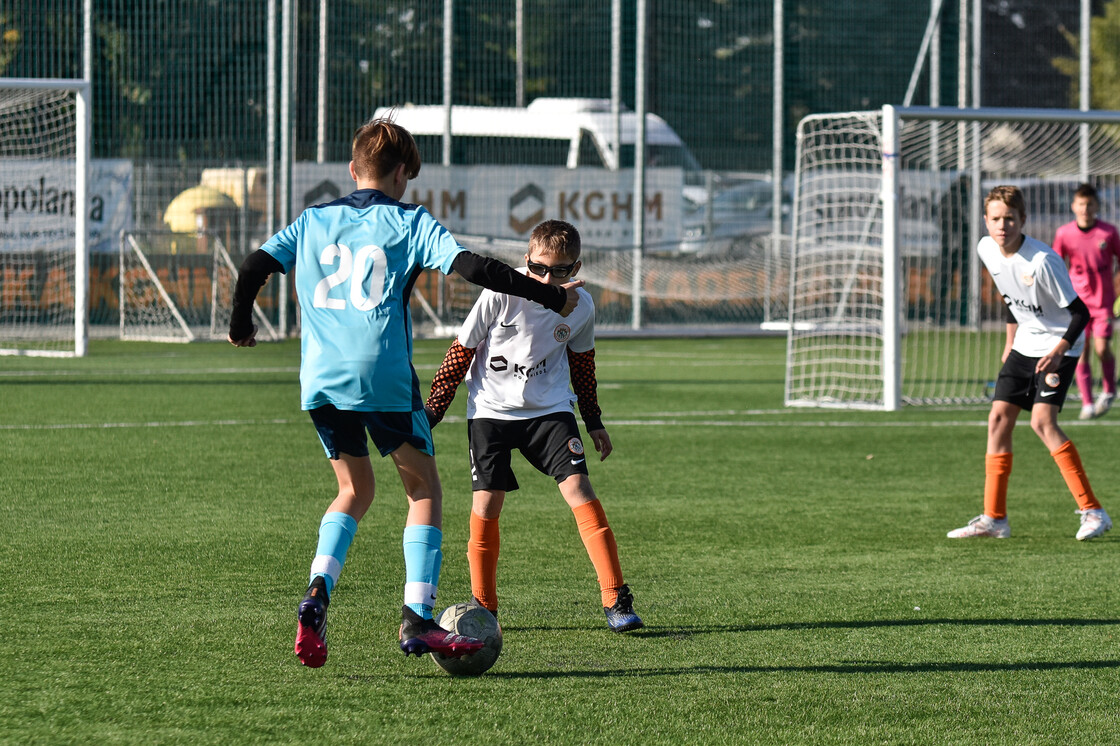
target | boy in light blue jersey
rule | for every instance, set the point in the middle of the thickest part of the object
(356, 262)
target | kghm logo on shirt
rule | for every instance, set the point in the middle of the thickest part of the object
(500, 364)
(1022, 305)
(562, 332)
(521, 371)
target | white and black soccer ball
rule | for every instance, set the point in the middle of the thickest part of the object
(475, 621)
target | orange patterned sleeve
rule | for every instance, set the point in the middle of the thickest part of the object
(451, 373)
(582, 370)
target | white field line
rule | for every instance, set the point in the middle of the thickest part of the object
(660, 421)
(126, 425)
(131, 373)
(249, 370)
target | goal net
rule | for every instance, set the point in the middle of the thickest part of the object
(889, 304)
(44, 136)
(176, 287)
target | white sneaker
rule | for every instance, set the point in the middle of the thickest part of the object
(1094, 522)
(1088, 412)
(983, 525)
(1103, 404)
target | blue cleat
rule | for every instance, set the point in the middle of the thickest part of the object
(419, 636)
(311, 633)
(621, 616)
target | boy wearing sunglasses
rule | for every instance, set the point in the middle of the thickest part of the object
(517, 360)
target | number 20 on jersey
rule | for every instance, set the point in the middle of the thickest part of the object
(368, 262)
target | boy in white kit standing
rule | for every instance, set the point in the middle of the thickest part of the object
(1045, 325)
(520, 361)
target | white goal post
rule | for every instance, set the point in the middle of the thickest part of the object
(44, 255)
(888, 302)
(178, 288)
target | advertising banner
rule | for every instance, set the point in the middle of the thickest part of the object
(37, 203)
(508, 201)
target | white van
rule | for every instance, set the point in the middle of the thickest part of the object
(570, 132)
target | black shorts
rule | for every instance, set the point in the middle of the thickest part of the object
(550, 443)
(1018, 384)
(344, 431)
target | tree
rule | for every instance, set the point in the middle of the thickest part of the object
(1104, 55)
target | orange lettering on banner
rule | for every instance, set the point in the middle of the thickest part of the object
(919, 289)
(201, 287)
(101, 287)
(709, 284)
(650, 282)
(179, 288)
(57, 290)
(143, 290)
(15, 289)
(608, 297)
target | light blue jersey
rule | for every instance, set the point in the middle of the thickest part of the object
(356, 261)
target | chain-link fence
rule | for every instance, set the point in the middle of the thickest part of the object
(234, 116)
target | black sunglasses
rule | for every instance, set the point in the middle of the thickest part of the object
(559, 272)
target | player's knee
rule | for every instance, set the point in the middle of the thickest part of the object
(998, 421)
(577, 489)
(487, 503)
(1046, 428)
(423, 491)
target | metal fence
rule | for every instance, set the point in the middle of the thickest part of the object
(254, 103)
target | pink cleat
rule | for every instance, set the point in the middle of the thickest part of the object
(419, 636)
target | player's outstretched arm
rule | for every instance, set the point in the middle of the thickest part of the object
(254, 273)
(451, 373)
(501, 278)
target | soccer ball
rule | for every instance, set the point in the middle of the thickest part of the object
(471, 620)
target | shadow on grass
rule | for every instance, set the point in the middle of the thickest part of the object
(681, 632)
(686, 632)
(858, 667)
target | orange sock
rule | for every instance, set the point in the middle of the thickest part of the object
(1069, 461)
(601, 548)
(997, 471)
(482, 554)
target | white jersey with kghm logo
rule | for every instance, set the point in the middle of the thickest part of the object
(520, 367)
(1035, 285)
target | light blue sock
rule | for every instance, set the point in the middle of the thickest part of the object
(422, 560)
(336, 531)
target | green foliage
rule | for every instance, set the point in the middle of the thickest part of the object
(158, 512)
(1104, 46)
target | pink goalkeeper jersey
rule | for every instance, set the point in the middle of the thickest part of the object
(1090, 255)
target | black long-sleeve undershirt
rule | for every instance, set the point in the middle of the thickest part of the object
(480, 270)
(254, 273)
(501, 278)
(1079, 319)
